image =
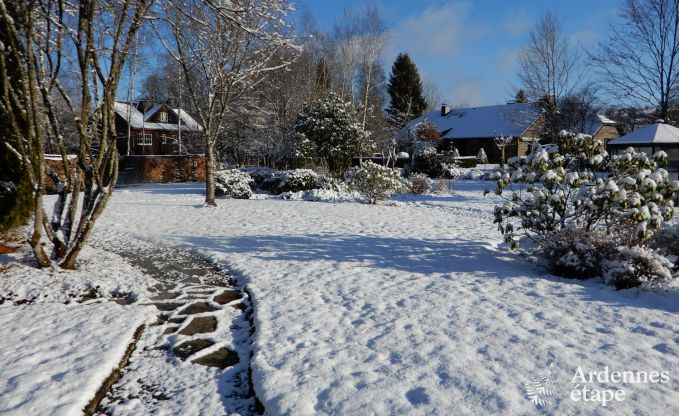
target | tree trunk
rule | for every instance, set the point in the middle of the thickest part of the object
(210, 173)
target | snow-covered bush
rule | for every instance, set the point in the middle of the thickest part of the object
(330, 129)
(298, 180)
(375, 182)
(419, 183)
(555, 191)
(666, 241)
(550, 190)
(233, 183)
(637, 266)
(424, 159)
(575, 253)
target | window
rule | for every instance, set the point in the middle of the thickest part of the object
(163, 117)
(144, 139)
(167, 139)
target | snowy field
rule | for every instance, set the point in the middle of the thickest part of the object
(410, 307)
(54, 357)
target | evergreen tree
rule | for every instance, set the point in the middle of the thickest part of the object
(405, 90)
(330, 129)
(521, 97)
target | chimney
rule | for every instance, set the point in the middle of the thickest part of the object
(445, 109)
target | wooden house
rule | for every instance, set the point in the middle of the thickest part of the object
(152, 129)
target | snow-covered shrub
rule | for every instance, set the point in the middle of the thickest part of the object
(451, 170)
(636, 266)
(298, 180)
(576, 253)
(666, 241)
(442, 186)
(260, 175)
(419, 183)
(557, 190)
(402, 155)
(331, 129)
(375, 182)
(233, 183)
(552, 189)
(425, 159)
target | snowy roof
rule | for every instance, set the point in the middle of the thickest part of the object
(596, 123)
(653, 133)
(138, 120)
(483, 122)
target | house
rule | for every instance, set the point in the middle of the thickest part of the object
(469, 129)
(602, 128)
(154, 129)
(651, 139)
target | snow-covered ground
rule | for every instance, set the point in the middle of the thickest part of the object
(410, 307)
(54, 357)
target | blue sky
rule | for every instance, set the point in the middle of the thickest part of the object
(469, 48)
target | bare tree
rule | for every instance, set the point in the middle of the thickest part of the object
(502, 142)
(36, 34)
(431, 94)
(549, 67)
(224, 49)
(640, 60)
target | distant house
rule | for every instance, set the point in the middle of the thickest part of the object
(154, 129)
(469, 129)
(651, 139)
(602, 128)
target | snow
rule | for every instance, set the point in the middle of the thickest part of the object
(104, 272)
(139, 120)
(54, 357)
(483, 122)
(410, 306)
(653, 133)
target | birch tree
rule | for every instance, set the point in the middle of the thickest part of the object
(224, 49)
(39, 37)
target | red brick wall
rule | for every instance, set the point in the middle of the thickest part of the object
(159, 169)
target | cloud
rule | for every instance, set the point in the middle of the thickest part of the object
(467, 92)
(436, 31)
(517, 22)
(507, 59)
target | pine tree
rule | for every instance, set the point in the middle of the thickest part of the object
(405, 90)
(521, 97)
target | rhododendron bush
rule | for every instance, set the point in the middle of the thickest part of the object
(579, 186)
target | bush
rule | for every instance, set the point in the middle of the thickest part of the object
(425, 159)
(575, 253)
(298, 180)
(636, 266)
(374, 181)
(560, 188)
(666, 241)
(233, 183)
(419, 183)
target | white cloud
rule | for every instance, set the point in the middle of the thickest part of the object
(517, 22)
(436, 32)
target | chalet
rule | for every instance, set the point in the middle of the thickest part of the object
(469, 129)
(154, 129)
(651, 139)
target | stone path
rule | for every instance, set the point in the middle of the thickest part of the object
(203, 319)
